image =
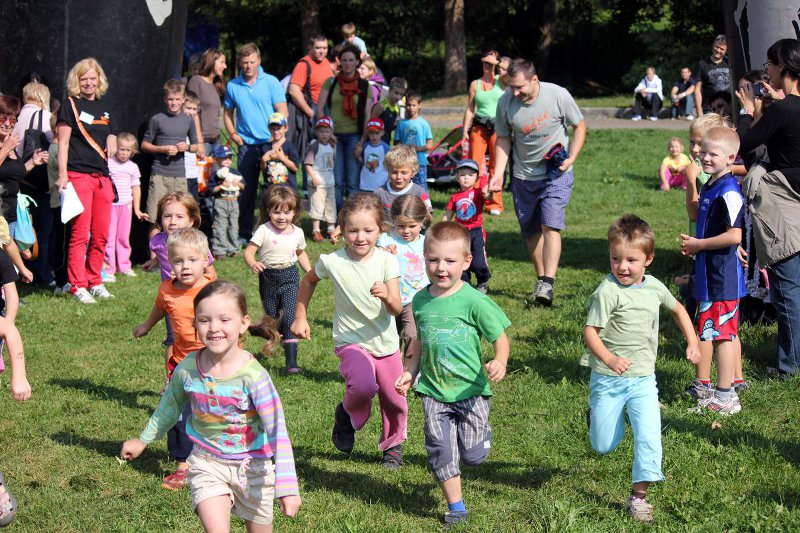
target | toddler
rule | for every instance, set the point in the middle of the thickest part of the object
(373, 171)
(227, 184)
(672, 170)
(280, 159)
(318, 166)
(416, 132)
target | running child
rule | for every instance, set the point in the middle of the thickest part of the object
(241, 457)
(373, 171)
(126, 177)
(466, 207)
(410, 216)
(318, 167)
(280, 245)
(401, 163)
(226, 186)
(451, 318)
(366, 298)
(718, 274)
(672, 170)
(621, 334)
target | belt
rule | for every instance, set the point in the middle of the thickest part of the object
(280, 266)
(228, 198)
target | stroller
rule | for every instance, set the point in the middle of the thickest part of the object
(445, 156)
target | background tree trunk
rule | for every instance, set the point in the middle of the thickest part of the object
(547, 34)
(309, 21)
(455, 59)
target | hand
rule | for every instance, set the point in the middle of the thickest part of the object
(619, 365)
(26, 254)
(142, 216)
(643, 92)
(495, 370)
(182, 147)
(290, 505)
(131, 449)
(201, 150)
(379, 290)
(566, 164)
(172, 150)
(40, 157)
(335, 235)
(11, 143)
(20, 388)
(746, 97)
(690, 245)
(151, 264)
(693, 353)
(258, 267)
(495, 184)
(403, 383)
(237, 139)
(742, 253)
(26, 275)
(359, 149)
(301, 329)
(140, 331)
(392, 249)
(63, 179)
(316, 181)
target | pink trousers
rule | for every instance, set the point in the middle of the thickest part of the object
(365, 376)
(676, 179)
(118, 247)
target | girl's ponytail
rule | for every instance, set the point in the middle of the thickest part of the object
(267, 329)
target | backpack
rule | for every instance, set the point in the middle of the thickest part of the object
(35, 139)
(23, 231)
(299, 128)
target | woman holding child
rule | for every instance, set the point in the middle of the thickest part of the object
(209, 86)
(86, 134)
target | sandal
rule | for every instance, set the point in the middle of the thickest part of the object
(176, 481)
(8, 504)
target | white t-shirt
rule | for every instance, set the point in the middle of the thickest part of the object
(278, 247)
(321, 157)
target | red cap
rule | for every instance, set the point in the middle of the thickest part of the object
(375, 124)
(324, 121)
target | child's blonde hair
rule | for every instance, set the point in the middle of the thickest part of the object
(401, 155)
(174, 87)
(632, 230)
(185, 198)
(725, 138)
(676, 140)
(276, 196)
(79, 69)
(370, 64)
(36, 93)
(363, 201)
(129, 140)
(190, 237)
(411, 207)
(448, 231)
(348, 30)
(700, 125)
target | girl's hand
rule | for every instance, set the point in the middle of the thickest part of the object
(379, 290)
(151, 264)
(495, 370)
(290, 505)
(335, 235)
(403, 383)
(693, 353)
(300, 329)
(142, 216)
(392, 249)
(140, 331)
(131, 449)
(20, 388)
(26, 275)
(619, 365)
(258, 267)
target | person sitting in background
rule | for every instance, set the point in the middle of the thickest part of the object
(721, 104)
(649, 95)
(683, 95)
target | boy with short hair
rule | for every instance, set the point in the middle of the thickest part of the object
(191, 105)
(318, 166)
(373, 171)
(349, 34)
(388, 108)
(401, 163)
(718, 275)
(451, 318)
(466, 208)
(621, 334)
(165, 138)
(416, 132)
(280, 158)
(226, 186)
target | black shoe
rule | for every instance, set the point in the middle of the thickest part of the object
(453, 518)
(393, 457)
(344, 435)
(290, 349)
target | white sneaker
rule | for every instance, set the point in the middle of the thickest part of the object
(100, 291)
(690, 117)
(653, 118)
(64, 290)
(495, 212)
(129, 273)
(110, 278)
(83, 296)
(636, 117)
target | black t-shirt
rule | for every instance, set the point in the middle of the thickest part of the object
(96, 118)
(683, 85)
(7, 275)
(714, 77)
(779, 129)
(12, 171)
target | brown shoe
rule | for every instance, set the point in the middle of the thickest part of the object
(317, 236)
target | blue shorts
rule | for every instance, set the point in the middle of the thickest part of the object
(541, 203)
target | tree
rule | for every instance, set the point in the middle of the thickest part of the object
(547, 34)
(455, 53)
(309, 20)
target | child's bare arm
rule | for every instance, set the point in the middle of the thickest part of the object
(448, 215)
(683, 321)
(496, 368)
(692, 245)
(20, 388)
(13, 252)
(250, 258)
(151, 148)
(311, 173)
(12, 301)
(389, 293)
(591, 336)
(136, 190)
(305, 262)
(300, 325)
(142, 329)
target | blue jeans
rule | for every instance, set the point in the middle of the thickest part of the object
(346, 169)
(421, 178)
(784, 283)
(249, 157)
(609, 396)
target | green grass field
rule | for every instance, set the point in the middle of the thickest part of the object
(94, 386)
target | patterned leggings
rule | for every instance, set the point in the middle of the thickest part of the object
(278, 289)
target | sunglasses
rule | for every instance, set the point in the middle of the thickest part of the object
(12, 119)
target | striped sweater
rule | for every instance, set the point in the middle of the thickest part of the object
(233, 418)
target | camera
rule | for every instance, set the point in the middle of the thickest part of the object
(758, 90)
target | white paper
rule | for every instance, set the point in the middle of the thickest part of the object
(71, 205)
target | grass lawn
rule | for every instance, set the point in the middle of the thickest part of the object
(95, 386)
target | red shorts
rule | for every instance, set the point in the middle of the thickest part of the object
(717, 321)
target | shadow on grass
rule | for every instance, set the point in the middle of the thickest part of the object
(550, 368)
(147, 463)
(790, 500)
(104, 392)
(320, 376)
(521, 476)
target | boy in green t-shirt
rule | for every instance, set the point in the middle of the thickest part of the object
(621, 334)
(451, 318)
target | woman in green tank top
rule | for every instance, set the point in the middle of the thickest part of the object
(479, 123)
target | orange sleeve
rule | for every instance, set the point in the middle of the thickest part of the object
(299, 74)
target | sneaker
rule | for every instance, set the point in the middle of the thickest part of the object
(62, 291)
(639, 509)
(129, 273)
(731, 407)
(8, 504)
(495, 212)
(83, 296)
(243, 242)
(109, 278)
(100, 291)
(636, 117)
(176, 481)
(653, 118)
(543, 295)
(699, 391)
(741, 387)
(393, 457)
(344, 434)
(453, 518)
(483, 288)
(689, 117)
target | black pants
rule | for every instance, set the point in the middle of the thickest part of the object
(178, 443)
(59, 240)
(479, 265)
(641, 102)
(278, 290)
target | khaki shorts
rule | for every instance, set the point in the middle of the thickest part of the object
(210, 476)
(160, 186)
(322, 203)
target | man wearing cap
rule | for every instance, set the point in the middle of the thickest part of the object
(373, 173)
(538, 115)
(253, 96)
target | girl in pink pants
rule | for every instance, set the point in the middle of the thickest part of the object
(126, 177)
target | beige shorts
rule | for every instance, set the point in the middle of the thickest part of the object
(160, 186)
(210, 476)
(322, 203)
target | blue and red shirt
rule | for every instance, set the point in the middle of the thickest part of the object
(467, 207)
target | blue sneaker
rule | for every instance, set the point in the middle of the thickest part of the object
(699, 391)
(453, 518)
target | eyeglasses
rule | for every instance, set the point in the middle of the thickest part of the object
(766, 65)
(10, 118)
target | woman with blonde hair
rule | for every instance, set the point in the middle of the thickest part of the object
(86, 134)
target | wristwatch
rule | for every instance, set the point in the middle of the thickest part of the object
(744, 111)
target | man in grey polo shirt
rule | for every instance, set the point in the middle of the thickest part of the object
(537, 115)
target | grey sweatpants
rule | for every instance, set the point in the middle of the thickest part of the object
(225, 230)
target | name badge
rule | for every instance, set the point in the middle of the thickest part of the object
(86, 117)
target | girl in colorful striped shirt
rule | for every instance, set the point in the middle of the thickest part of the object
(242, 457)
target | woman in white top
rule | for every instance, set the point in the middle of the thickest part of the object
(649, 96)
